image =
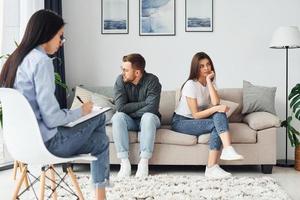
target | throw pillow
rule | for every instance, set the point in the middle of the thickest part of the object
(98, 99)
(232, 106)
(258, 98)
(104, 101)
(84, 94)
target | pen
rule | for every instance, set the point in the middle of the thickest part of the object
(79, 99)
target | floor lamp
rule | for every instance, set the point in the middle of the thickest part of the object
(286, 37)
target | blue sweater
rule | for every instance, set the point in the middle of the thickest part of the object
(35, 80)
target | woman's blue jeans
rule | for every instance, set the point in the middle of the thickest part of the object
(84, 138)
(215, 125)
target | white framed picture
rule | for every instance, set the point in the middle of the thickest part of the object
(198, 15)
(157, 17)
(114, 17)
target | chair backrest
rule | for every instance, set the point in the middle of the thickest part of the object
(20, 129)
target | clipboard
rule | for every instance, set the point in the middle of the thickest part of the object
(96, 111)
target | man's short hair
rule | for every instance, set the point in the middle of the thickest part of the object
(138, 62)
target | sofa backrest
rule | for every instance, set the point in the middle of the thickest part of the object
(167, 106)
(169, 100)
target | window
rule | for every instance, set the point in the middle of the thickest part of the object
(9, 32)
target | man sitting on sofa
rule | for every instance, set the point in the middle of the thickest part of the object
(137, 96)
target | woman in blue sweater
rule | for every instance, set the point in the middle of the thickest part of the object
(30, 70)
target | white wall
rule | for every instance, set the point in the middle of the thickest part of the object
(238, 47)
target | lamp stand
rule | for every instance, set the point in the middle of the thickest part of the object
(285, 162)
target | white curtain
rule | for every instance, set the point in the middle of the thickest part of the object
(1, 33)
(27, 8)
(1, 29)
(14, 15)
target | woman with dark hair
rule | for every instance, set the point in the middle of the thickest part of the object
(199, 112)
(31, 71)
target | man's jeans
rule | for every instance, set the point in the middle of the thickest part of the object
(147, 125)
(86, 137)
(215, 125)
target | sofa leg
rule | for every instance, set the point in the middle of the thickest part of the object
(266, 169)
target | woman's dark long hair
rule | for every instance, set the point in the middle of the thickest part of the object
(41, 28)
(195, 66)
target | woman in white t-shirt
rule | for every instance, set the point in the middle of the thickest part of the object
(199, 112)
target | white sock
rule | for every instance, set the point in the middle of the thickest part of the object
(143, 169)
(125, 168)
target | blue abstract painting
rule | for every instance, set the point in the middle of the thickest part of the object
(114, 16)
(199, 15)
(157, 17)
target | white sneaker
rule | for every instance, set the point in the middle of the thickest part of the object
(229, 153)
(125, 169)
(143, 169)
(216, 172)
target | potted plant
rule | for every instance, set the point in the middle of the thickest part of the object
(293, 133)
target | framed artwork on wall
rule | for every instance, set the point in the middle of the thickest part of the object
(114, 17)
(157, 17)
(198, 15)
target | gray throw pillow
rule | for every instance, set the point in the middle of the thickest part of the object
(258, 98)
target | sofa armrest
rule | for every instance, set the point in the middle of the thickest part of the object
(261, 120)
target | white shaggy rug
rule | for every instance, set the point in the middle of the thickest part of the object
(172, 187)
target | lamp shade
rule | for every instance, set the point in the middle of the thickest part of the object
(286, 37)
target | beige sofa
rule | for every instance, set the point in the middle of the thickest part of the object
(253, 136)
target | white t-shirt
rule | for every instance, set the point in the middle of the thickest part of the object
(193, 89)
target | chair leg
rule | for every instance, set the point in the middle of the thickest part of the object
(21, 165)
(75, 183)
(53, 182)
(16, 164)
(19, 183)
(42, 184)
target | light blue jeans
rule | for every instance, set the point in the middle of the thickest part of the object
(86, 137)
(147, 125)
(215, 125)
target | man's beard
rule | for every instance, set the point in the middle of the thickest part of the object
(126, 80)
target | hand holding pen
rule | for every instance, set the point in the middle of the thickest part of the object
(87, 107)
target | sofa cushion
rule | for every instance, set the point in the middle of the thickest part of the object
(261, 120)
(164, 135)
(258, 98)
(240, 133)
(133, 138)
(167, 136)
(167, 106)
(235, 95)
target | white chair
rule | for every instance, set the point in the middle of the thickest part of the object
(24, 142)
